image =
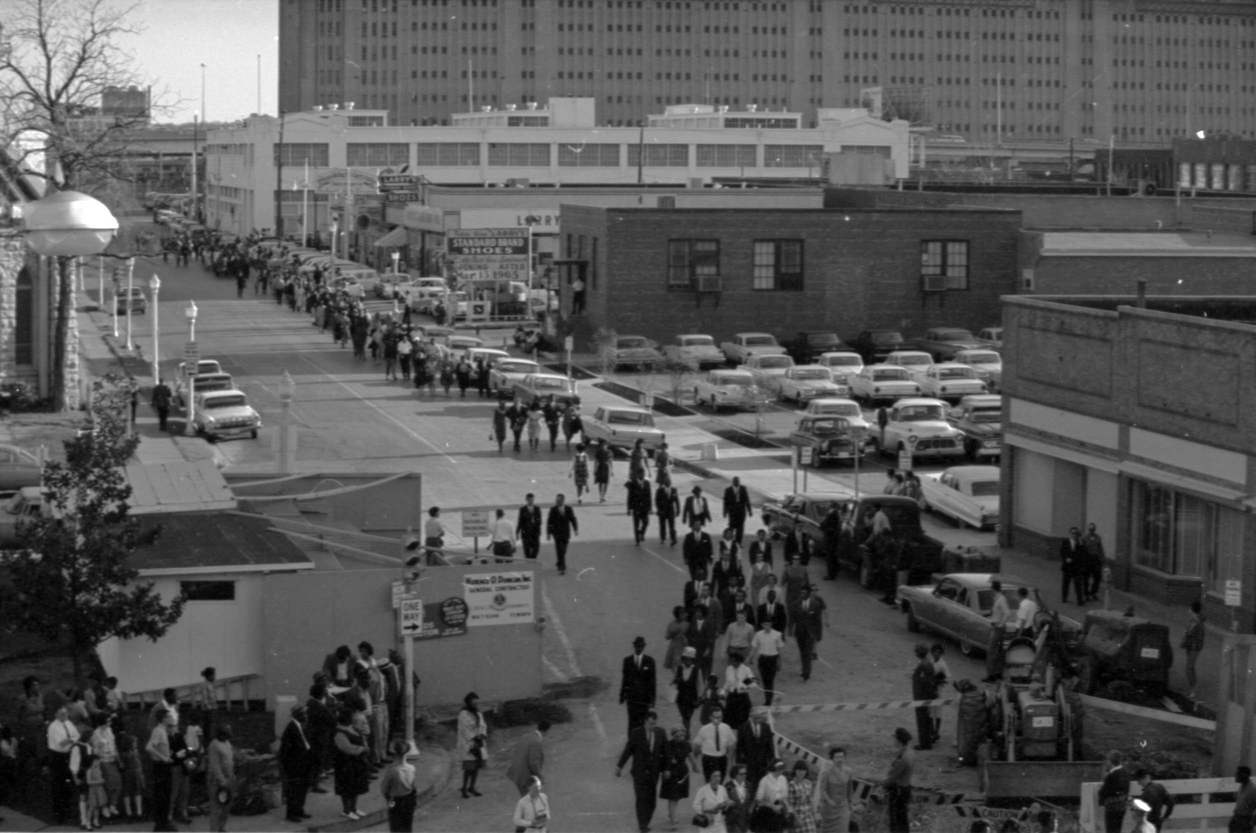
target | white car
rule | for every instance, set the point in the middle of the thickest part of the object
(421, 294)
(987, 363)
(848, 409)
(807, 381)
(842, 364)
(920, 425)
(455, 346)
(695, 350)
(224, 414)
(507, 371)
(992, 336)
(621, 426)
(882, 383)
(728, 388)
(766, 367)
(969, 494)
(915, 362)
(951, 381)
(744, 345)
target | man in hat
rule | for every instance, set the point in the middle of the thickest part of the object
(689, 685)
(296, 763)
(1139, 810)
(756, 746)
(637, 690)
(646, 746)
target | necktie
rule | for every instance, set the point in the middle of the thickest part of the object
(717, 736)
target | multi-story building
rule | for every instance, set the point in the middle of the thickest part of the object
(1142, 71)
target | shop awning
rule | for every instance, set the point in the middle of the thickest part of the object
(394, 239)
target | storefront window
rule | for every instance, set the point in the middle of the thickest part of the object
(1183, 535)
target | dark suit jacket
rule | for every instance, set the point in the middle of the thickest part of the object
(639, 497)
(699, 510)
(755, 753)
(1115, 786)
(561, 522)
(647, 762)
(697, 549)
(778, 616)
(736, 502)
(667, 502)
(1072, 559)
(529, 523)
(811, 619)
(762, 550)
(638, 684)
(730, 612)
(294, 751)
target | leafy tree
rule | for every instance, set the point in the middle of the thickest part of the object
(57, 57)
(72, 580)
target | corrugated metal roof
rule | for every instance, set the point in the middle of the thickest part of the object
(181, 486)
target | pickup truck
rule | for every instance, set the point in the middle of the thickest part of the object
(944, 342)
(744, 345)
(980, 419)
(621, 426)
(807, 345)
(828, 439)
(920, 425)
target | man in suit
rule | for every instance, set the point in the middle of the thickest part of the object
(810, 620)
(528, 758)
(696, 508)
(1114, 792)
(697, 550)
(736, 508)
(756, 746)
(1073, 560)
(645, 746)
(667, 508)
(560, 526)
(296, 763)
(639, 499)
(528, 526)
(737, 604)
(772, 611)
(761, 548)
(637, 689)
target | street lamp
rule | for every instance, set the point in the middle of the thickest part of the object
(154, 286)
(130, 287)
(287, 389)
(190, 357)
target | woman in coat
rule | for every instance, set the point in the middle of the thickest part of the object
(674, 783)
(471, 750)
(351, 768)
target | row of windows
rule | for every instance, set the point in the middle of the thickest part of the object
(538, 154)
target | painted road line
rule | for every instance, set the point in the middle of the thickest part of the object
(556, 624)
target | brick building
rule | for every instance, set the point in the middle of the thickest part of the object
(1139, 419)
(663, 271)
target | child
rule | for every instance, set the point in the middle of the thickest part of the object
(96, 798)
(132, 772)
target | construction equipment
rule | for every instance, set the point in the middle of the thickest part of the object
(1119, 648)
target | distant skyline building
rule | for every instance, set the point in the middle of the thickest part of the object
(1140, 71)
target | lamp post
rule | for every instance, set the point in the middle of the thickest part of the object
(396, 259)
(130, 286)
(113, 279)
(154, 286)
(190, 357)
(287, 389)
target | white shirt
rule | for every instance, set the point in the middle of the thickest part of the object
(502, 530)
(705, 740)
(710, 800)
(767, 643)
(736, 678)
(62, 735)
(1000, 613)
(1025, 613)
(773, 789)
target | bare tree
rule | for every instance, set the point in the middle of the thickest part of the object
(57, 57)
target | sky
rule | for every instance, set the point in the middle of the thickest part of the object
(225, 35)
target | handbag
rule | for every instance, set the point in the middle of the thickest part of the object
(701, 820)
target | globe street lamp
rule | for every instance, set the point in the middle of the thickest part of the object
(154, 286)
(191, 356)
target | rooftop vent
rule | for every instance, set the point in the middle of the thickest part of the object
(333, 106)
(532, 105)
(486, 108)
(753, 108)
(512, 107)
(349, 105)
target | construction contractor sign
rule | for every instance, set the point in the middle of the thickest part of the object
(499, 599)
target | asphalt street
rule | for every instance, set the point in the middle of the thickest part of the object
(349, 418)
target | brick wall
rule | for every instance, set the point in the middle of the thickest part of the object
(1068, 275)
(861, 269)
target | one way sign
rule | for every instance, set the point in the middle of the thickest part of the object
(410, 618)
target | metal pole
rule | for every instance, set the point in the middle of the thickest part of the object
(408, 643)
(156, 287)
(305, 205)
(113, 279)
(130, 276)
(194, 166)
(285, 399)
(190, 372)
(793, 465)
(859, 443)
(100, 281)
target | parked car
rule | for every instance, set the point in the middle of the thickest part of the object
(987, 363)
(621, 426)
(828, 439)
(423, 293)
(807, 345)
(544, 385)
(967, 494)
(222, 414)
(951, 381)
(204, 382)
(848, 409)
(882, 383)
(202, 366)
(944, 342)
(920, 425)
(18, 468)
(391, 284)
(633, 351)
(991, 337)
(915, 362)
(766, 367)
(843, 364)
(728, 388)
(744, 345)
(958, 606)
(491, 355)
(138, 301)
(696, 350)
(875, 345)
(17, 508)
(802, 383)
(506, 371)
(980, 418)
(457, 305)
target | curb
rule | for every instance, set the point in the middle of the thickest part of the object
(375, 818)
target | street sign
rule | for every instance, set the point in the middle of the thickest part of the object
(191, 355)
(410, 618)
(475, 523)
(569, 343)
(398, 182)
(1233, 592)
(398, 588)
(904, 458)
(805, 453)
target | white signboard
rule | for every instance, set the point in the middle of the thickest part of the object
(1233, 592)
(410, 617)
(499, 598)
(475, 523)
(904, 458)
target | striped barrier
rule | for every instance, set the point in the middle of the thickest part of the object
(818, 708)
